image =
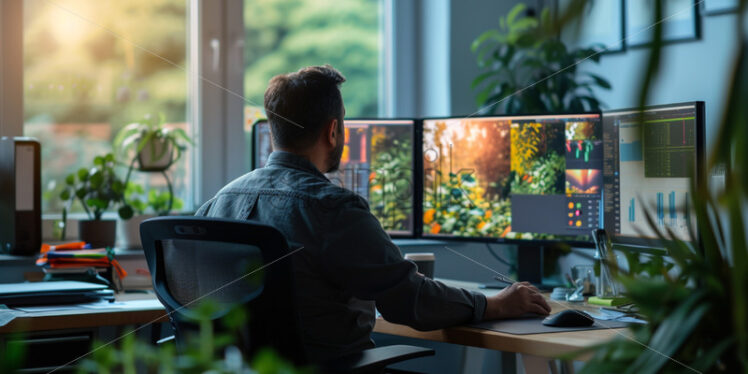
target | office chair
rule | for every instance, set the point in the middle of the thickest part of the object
(241, 263)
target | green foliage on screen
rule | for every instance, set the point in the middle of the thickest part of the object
(391, 188)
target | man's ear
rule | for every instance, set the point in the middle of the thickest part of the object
(332, 134)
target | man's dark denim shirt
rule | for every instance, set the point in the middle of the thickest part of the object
(348, 264)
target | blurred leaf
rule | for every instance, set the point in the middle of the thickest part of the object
(125, 212)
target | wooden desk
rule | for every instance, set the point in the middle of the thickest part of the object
(536, 349)
(546, 345)
(131, 309)
(56, 338)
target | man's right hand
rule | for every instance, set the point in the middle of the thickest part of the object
(518, 299)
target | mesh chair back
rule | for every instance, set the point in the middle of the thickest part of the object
(193, 259)
(191, 274)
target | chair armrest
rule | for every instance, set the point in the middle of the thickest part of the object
(166, 339)
(376, 358)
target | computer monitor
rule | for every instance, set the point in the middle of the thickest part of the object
(650, 158)
(528, 178)
(377, 163)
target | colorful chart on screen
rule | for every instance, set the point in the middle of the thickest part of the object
(650, 160)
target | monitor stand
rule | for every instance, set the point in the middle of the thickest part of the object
(530, 265)
(529, 268)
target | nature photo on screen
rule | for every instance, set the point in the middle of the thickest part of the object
(512, 177)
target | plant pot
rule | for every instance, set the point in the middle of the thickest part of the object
(128, 232)
(98, 233)
(157, 155)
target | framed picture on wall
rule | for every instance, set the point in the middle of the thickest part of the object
(714, 7)
(680, 21)
(599, 26)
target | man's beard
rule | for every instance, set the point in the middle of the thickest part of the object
(333, 158)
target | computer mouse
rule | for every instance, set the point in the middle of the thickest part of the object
(569, 318)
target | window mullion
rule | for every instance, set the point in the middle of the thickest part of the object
(11, 67)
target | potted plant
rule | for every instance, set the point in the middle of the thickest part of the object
(696, 310)
(144, 206)
(528, 69)
(155, 147)
(98, 189)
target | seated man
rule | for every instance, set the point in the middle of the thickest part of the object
(347, 264)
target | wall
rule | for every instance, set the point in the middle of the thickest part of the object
(693, 70)
(469, 19)
(433, 64)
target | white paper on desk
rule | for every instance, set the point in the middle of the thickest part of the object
(6, 316)
(103, 304)
(45, 308)
(612, 315)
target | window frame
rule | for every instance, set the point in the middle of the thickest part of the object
(215, 100)
(12, 101)
(11, 68)
(217, 81)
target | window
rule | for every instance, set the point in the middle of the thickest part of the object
(285, 35)
(90, 68)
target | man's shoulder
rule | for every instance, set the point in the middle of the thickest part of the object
(295, 183)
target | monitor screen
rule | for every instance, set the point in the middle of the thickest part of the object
(535, 177)
(377, 163)
(650, 159)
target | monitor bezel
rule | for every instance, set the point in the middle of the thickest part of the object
(550, 243)
(253, 161)
(416, 185)
(646, 244)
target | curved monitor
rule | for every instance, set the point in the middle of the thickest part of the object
(377, 163)
(507, 178)
(651, 157)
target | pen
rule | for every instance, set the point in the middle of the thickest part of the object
(504, 280)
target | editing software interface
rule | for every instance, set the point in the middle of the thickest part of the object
(377, 163)
(522, 177)
(650, 157)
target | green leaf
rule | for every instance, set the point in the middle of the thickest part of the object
(516, 10)
(98, 160)
(99, 204)
(600, 81)
(70, 179)
(96, 179)
(525, 24)
(486, 35)
(125, 212)
(482, 77)
(707, 360)
(117, 187)
(178, 133)
(81, 193)
(83, 174)
(740, 269)
(669, 336)
(65, 195)
(144, 140)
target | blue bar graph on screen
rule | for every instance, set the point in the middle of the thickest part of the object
(632, 210)
(671, 208)
(660, 208)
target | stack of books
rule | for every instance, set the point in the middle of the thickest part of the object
(78, 260)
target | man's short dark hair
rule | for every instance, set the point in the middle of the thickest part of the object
(299, 104)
